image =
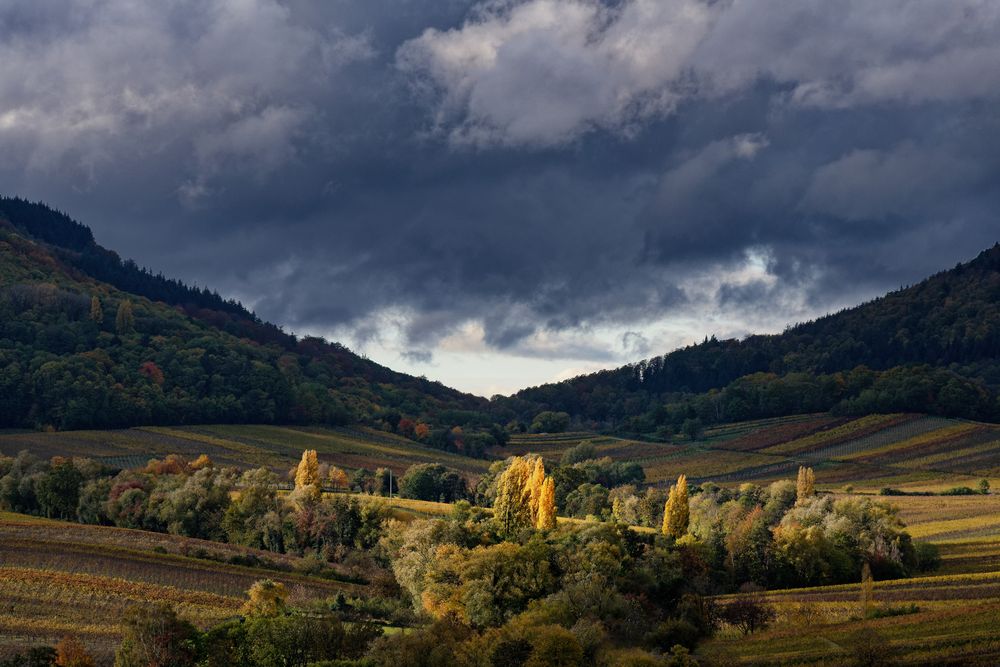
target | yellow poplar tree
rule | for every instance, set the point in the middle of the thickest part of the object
(867, 589)
(546, 519)
(535, 483)
(805, 485)
(676, 512)
(307, 481)
(512, 507)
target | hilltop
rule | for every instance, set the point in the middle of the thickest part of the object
(933, 347)
(88, 340)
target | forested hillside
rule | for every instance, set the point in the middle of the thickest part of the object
(933, 347)
(88, 340)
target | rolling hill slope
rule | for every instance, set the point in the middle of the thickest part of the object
(933, 347)
(90, 341)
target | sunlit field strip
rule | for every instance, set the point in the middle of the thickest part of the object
(855, 428)
(927, 438)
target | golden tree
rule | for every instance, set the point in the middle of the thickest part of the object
(535, 483)
(307, 480)
(512, 507)
(96, 312)
(265, 598)
(337, 477)
(805, 485)
(201, 462)
(71, 653)
(676, 512)
(546, 519)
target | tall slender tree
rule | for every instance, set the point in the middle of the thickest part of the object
(676, 513)
(125, 319)
(307, 479)
(535, 483)
(512, 507)
(805, 485)
(546, 519)
(867, 589)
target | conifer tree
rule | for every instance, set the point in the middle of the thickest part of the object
(805, 485)
(547, 506)
(96, 312)
(535, 485)
(512, 507)
(676, 512)
(125, 320)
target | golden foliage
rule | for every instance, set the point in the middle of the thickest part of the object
(512, 507)
(805, 485)
(535, 483)
(71, 653)
(307, 480)
(546, 518)
(265, 598)
(676, 513)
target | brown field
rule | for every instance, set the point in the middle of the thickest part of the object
(57, 578)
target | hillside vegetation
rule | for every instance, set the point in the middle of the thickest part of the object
(90, 341)
(933, 347)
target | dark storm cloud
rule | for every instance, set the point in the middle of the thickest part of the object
(534, 166)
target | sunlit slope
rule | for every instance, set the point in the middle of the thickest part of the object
(910, 451)
(60, 578)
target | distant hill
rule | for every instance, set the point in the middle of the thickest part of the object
(933, 347)
(88, 340)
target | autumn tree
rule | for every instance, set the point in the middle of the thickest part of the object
(535, 483)
(546, 519)
(421, 431)
(265, 598)
(96, 312)
(307, 480)
(749, 610)
(337, 478)
(676, 512)
(512, 507)
(867, 589)
(805, 485)
(125, 320)
(156, 636)
(70, 652)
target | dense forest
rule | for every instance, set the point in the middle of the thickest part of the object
(90, 341)
(933, 347)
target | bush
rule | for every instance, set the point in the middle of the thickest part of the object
(928, 556)
(888, 612)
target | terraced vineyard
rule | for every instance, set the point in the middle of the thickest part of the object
(58, 578)
(274, 446)
(909, 451)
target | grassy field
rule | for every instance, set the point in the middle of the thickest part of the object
(58, 578)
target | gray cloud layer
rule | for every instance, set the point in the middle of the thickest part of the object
(543, 165)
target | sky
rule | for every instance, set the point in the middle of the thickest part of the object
(500, 193)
